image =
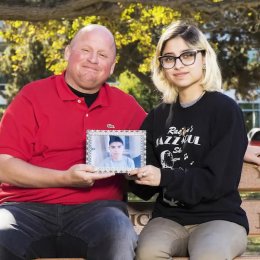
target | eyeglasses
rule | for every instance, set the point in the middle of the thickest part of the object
(187, 58)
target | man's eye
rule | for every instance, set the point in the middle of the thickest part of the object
(85, 50)
(102, 55)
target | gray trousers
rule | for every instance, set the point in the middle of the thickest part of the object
(215, 240)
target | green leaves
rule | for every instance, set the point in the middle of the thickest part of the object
(35, 50)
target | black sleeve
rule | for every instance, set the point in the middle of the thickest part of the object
(143, 191)
(220, 170)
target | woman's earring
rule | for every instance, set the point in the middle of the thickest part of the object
(204, 66)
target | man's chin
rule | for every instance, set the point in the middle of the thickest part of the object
(117, 159)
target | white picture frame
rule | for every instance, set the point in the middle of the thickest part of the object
(116, 151)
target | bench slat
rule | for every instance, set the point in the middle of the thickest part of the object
(252, 208)
(250, 178)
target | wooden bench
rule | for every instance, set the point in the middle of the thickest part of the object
(140, 211)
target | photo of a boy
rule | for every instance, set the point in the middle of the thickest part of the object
(116, 158)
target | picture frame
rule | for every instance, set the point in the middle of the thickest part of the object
(118, 151)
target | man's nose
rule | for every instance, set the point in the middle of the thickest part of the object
(93, 57)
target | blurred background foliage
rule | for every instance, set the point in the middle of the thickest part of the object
(35, 49)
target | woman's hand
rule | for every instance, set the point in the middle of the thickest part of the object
(147, 175)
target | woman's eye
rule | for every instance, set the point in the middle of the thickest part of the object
(169, 58)
(187, 55)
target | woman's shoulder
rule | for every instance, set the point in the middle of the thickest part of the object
(221, 106)
(162, 107)
(220, 97)
(221, 100)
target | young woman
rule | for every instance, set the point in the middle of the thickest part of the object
(196, 143)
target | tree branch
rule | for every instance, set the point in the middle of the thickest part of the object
(42, 10)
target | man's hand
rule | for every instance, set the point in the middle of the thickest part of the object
(82, 175)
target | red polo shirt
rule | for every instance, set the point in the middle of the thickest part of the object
(46, 125)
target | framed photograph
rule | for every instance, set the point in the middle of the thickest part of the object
(118, 151)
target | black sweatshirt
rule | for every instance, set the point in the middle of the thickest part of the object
(200, 151)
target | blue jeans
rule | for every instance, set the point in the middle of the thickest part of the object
(97, 230)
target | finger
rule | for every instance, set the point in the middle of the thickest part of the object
(143, 182)
(99, 176)
(90, 183)
(141, 175)
(131, 178)
(85, 167)
(133, 172)
(90, 168)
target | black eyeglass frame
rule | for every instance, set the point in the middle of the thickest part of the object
(179, 57)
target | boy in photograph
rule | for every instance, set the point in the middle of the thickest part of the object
(117, 159)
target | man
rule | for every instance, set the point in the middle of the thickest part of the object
(49, 197)
(117, 159)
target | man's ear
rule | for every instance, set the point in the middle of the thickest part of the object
(112, 68)
(67, 52)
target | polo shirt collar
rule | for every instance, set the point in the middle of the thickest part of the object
(103, 97)
(66, 94)
(63, 89)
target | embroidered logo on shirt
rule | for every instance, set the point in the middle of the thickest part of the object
(110, 126)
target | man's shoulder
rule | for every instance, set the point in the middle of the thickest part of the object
(118, 98)
(41, 85)
(116, 92)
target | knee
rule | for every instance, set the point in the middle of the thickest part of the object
(148, 249)
(116, 236)
(145, 252)
(210, 252)
(7, 220)
(118, 225)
